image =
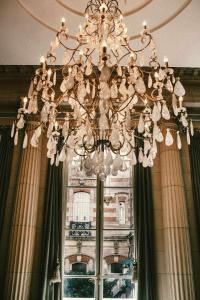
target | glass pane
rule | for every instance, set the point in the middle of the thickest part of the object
(77, 177)
(118, 208)
(80, 252)
(123, 179)
(119, 288)
(118, 252)
(81, 208)
(79, 288)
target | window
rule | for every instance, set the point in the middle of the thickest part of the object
(79, 268)
(116, 268)
(99, 224)
(81, 207)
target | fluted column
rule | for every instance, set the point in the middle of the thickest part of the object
(175, 223)
(23, 229)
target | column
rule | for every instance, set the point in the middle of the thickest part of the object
(23, 227)
(175, 224)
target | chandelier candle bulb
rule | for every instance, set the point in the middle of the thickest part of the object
(42, 61)
(49, 72)
(104, 46)
(96, 98)
(166, 61)
(63, 22)
(144, 24)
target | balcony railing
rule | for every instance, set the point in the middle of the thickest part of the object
(80, 229)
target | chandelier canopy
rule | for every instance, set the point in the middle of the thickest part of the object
(107, 99)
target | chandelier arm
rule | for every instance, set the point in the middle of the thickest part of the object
(141, 49)
(76, 99)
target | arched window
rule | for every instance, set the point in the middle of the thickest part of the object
(79, 268)
(81, 207)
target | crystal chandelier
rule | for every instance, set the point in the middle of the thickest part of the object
(102, 103)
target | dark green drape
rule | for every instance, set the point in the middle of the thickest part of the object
(52, 236)
(194, 150)
(144, 224)
(6, 153)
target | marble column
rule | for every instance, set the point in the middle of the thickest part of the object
(175, 224)
(23, 226)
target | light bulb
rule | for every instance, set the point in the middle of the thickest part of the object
(144, 24)
(63, 21)
(25, 100)
(42, 59)
(165, 59)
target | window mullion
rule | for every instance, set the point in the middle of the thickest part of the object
(99, 239)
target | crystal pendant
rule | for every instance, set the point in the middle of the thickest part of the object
(174, 104)
(34, 140)
(12, 130)
(122, 88)
(150, 81)
(140, 86)
(119, 71)
(155, 113)
(104, 91)
(165, 112)
(157, 134)
(105, 74)
(169, 85)
(134, 159)
(135, 99)
(114, 90)
(130, 90)
(141, 124)
(188, 136)
(16, 138)
(117, 162)
(20, 123)
(169, 138)
(191, 128)
(141, 156)
(62, 156)
(88, 70)
(25, 142)
(179, 89)
(145, 161)
(179, 145)
(109, 159)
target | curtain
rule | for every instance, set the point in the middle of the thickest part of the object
(194, 150)
(144, 226)
(6, 153)
(52, 236)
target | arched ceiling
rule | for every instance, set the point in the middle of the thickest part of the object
(27, 27)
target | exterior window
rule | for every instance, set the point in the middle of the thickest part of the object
(79, 268)
(116, 268)
(81, 207)
(122, 213)
(99, 235)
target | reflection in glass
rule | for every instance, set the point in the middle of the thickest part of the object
(118, 288)
(79, 288)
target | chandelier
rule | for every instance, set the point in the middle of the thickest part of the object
(107, 99)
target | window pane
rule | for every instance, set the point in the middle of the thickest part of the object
(118, 252)
(81, 208)
(119, 288)
(79, 288)
(118, 208)
(80, 252)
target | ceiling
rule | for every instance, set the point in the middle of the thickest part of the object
(27, 27)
